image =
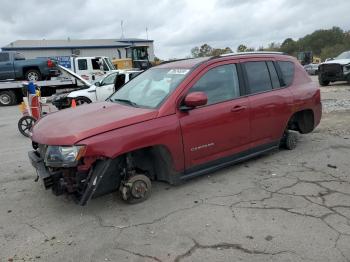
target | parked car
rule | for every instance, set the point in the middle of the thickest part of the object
(337, 69)
(99, 90)
(14, 66)
(311, 69)
(174, 122)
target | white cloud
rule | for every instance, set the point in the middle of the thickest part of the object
(175, 26)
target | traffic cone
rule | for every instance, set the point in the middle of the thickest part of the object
(74, 104)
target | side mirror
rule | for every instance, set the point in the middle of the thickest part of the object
(97, 84)
(194, 99)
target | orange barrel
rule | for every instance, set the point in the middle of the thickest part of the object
(35, 107)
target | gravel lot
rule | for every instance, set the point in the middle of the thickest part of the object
(283, 206)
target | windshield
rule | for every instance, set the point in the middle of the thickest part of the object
(150, 88)
(344, 55)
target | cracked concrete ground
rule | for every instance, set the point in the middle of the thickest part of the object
(282, 206)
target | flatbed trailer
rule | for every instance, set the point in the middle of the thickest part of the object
(11, 92)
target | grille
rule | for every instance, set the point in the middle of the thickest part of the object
(331, 68)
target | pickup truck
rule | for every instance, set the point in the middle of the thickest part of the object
(174, 122)
(97, 91)
(14, 66)
(337, 69)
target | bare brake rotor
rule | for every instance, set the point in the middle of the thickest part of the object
(136, 189)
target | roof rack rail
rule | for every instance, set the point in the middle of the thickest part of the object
(175, 60)
(252, 53)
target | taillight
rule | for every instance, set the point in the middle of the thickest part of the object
(50, 63)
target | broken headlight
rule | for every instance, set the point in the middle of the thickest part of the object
(63, 156)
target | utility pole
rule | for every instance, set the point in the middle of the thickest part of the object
(122, 29)
(147, 33)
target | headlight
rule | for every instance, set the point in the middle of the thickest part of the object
(346, 67)
(63, 156)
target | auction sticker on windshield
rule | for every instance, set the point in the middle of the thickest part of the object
(178, 71)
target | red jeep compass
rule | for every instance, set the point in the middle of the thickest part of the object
(176, 121)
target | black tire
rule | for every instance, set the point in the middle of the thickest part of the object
(32, 75)
(323, 82)
(80, 100)
(289, 140)
(7, 98)
(25, 124)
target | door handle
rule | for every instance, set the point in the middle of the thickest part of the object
(238, 108)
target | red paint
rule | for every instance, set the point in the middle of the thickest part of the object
(196, 99)
(192, 137)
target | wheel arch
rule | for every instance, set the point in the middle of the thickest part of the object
(157, 161)
(302, 121)
(27, 68)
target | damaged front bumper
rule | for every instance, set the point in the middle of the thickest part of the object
(100, 179)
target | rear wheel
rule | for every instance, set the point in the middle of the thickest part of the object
(289, 140)
(25, 124)
(7, 98)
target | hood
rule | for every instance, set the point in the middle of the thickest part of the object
(72, 74)
(69, 126)
(338, 61)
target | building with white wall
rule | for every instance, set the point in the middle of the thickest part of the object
(112, 48)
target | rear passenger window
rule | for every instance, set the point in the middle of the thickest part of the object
(82, 64)
(4, 57)
(258, 77)
(219, 84)
(287, 69)
(273, 74)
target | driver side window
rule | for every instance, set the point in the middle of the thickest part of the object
(109, 80)
(219, 84)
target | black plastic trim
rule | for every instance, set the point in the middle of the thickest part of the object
(227, 161)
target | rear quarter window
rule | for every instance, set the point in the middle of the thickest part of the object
(287, 70)
(4, 57)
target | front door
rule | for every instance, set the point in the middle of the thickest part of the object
(220, 128)
(106, 87)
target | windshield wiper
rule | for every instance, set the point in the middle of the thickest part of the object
(125, 101)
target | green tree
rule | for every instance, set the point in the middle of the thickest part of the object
(205, 50)
(241, 48)
(332, 51)
(289, 46)
(195, 51)
(273, 47)
(219, 51)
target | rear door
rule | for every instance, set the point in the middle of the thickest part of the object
(6, 67)
(220, 128)
(268, 99)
